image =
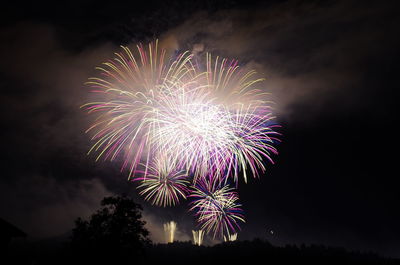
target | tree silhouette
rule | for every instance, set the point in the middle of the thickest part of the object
(115, 231)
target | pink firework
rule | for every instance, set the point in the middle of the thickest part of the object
(175, 123)
(216, 206)
(127, 93)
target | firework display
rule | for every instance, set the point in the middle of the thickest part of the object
(183, 129)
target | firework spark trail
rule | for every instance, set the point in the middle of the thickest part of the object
(232, 237)
(170, 229)
(216, 206)
(198, 237)
(253, 141)
(175, 124)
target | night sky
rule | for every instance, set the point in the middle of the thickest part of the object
(331, 69)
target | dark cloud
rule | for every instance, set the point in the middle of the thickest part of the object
(46, 175)
(47, 207)
(308, 52)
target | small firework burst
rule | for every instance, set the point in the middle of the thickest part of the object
(216, 206)
(163, 184)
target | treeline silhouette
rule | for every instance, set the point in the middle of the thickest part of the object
(258, 251)
(116, 234)
(239, 252)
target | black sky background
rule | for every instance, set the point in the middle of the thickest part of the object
(331, 66)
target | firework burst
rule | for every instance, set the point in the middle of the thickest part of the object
(164, 183)
(128, 91)
(175, 123)
(216, 206)
(217, 123)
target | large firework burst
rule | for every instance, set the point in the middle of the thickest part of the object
(174, 124)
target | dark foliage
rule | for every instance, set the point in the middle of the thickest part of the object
(239, 252)
(116, 231)
(258, 252)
